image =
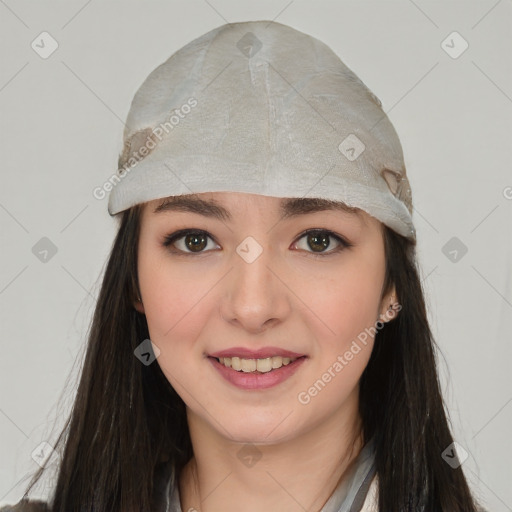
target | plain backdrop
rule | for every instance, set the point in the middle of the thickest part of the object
(61, 130)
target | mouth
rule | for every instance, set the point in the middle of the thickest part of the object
(264, 365)
(257, 374)
(260, 369)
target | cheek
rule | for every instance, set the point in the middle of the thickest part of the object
(171, 305)
(346, 303)
(173, 302)
(344, 330)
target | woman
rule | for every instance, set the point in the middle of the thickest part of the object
(260, 340)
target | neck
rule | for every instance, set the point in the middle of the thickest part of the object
(229, 476)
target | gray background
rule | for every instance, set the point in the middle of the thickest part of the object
(61, 131)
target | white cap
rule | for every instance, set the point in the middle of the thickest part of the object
(262, 108)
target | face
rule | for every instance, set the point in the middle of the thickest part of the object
(241, 284)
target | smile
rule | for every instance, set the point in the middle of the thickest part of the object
(254, 374)
(255, 365)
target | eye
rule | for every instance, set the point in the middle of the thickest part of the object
(320, 239)
(193, 241)
(188, 241)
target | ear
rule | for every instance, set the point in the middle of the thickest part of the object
(137, 304)
(389, 306)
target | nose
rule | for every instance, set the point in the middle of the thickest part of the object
(255, 295)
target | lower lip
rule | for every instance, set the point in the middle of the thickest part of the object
(249, 380)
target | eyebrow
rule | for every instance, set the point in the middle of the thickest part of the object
(290, 207)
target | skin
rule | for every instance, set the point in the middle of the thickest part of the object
(292, 297)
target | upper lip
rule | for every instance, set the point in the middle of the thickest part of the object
(262, 353)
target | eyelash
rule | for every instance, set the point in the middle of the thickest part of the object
(174, 237)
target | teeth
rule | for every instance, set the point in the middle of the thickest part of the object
(251, 365)
(264, 365)
(277, 362)
(248, 365)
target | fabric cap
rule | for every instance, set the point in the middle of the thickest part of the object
(262, 108)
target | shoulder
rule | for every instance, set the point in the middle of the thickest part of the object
(26, 506)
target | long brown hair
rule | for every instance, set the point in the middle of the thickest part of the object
(128, 424)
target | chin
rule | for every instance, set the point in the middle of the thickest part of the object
(265, 431)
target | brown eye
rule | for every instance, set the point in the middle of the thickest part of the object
(319, 240)
(195, 242)
(187, 241)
